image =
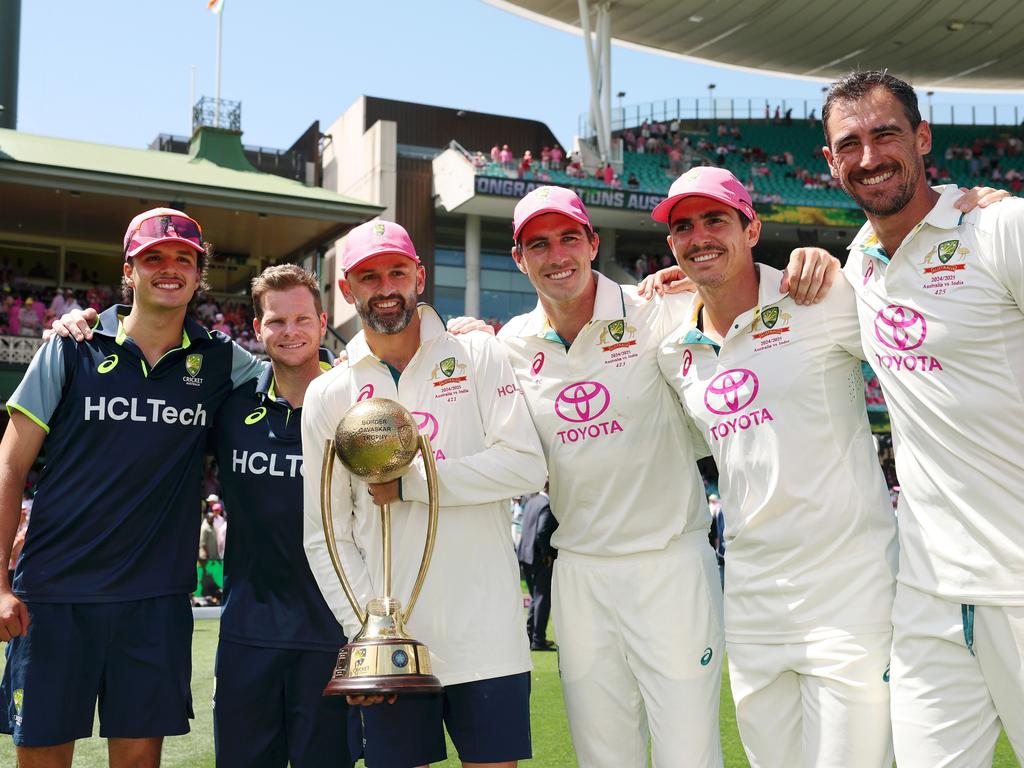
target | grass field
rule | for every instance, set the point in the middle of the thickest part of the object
(551, 741)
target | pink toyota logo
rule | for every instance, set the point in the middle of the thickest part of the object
(426, 422)
(582, 401)
(900, 328)
(731, 391)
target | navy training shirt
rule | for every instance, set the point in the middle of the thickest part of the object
(271, 597)
(116, 512)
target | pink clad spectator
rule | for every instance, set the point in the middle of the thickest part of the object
(526, 164)
(557, 155)
(608, 173)
(29, 323)
(495, 154)
(221, 325)
(545, 158)
(505, 156)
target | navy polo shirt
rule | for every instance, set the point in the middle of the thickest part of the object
(116, 513)
(271, 597)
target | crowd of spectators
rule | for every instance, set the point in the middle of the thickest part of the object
(528, 166)
(232, 318)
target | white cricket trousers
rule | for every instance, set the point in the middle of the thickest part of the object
(818, 704)
(640, 653)
(957, 673)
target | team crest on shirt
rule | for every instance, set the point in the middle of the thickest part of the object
(449, 376)
(943, 267)
(617, 337)
(776, 326)
(193, 364)
(18, 694)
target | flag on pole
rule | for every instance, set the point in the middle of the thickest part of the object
(215, 5)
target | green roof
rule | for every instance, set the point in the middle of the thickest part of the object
(46, 157)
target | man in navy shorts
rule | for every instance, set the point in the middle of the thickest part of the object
(99, 606)
(278, 639)
(463, 393)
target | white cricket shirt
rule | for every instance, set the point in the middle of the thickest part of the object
(621, 463)
(943, 327)
(464, 395)
(809, 530)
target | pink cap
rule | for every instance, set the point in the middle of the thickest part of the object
(374, 238)
(716, 183)
(161, 225)
(549, 200)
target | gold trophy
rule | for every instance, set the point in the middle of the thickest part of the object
(376, 440)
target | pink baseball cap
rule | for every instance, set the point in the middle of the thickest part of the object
(716, 183)
(549, 200)
(161, 225)
(374, 238)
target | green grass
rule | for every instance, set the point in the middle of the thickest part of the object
(551, 741)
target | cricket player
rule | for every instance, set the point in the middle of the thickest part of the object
(940, 300)
(99, 607)
(777, 392)
(278, 639)
(464, 394)
(637, 603)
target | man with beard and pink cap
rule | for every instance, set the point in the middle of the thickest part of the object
(463, 392)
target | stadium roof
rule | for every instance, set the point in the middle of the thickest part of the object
(110, 184)
(951, 44)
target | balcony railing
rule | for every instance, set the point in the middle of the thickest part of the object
(18, 350)
(629, 116)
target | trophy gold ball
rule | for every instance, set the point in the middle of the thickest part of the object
(376, 440)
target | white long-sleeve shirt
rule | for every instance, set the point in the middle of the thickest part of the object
(465, 397)
(809, 530)
(619, 446)
(942, 323)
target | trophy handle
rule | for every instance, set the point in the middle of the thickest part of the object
(326, 479)
(430, 464)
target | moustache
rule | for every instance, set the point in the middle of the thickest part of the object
(693, 250)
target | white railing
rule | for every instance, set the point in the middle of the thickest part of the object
(1007, 113)
(19, 349)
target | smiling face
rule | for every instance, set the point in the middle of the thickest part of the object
(165, 276)
(555, 252)
(875, 153)
(291, 329)
(710, 242)
(384, 290)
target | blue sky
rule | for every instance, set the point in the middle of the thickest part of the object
(118, 71)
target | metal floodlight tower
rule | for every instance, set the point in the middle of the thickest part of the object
(597, 40)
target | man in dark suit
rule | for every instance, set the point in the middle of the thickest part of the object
(537, 558)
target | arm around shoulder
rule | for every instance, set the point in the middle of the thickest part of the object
(512, 461)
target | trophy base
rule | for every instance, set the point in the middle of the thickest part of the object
(383, 666)
(384, 685)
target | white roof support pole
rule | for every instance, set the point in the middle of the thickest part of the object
(598, 67)
(604, 34)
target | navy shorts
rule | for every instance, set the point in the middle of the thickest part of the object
(135, 657)
(269, 710)
(488, 721)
